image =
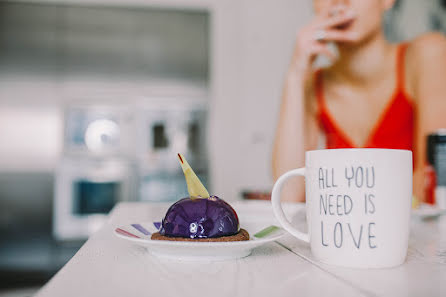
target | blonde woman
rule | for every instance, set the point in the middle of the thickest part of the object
(374, 94)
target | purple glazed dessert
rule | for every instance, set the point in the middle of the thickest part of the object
(201, 219)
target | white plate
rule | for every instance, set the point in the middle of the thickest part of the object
(140, 233)
(427, 211)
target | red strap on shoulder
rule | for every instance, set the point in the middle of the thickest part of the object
(319, 90)
(400, 65)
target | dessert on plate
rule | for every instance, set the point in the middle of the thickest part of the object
(200, 217)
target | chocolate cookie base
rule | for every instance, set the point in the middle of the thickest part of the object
(242, 235)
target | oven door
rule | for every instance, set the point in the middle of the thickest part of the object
(85, 192)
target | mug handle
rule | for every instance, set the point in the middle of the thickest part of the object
(277, 207)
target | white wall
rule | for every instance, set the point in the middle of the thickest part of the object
(252, 44)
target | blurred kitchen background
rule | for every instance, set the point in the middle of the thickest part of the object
(98, 96)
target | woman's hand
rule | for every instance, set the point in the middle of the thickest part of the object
(297, 129)
(312, 39)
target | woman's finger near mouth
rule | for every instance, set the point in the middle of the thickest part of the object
(340, 36)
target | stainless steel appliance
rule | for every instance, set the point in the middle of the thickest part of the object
(167, 126)
(96, 169)
(436, 149)
(124, 153)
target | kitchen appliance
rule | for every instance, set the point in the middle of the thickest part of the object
(436, 155)
(96, 169)
(86, 190)
(167, 126)
(98, 129)
(116, 153)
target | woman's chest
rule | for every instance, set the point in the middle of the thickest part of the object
(359, 112)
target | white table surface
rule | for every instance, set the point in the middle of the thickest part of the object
(109, 266)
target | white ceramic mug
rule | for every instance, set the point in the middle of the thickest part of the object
(357, 205)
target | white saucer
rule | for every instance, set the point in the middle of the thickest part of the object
(427, 211)
(140, 233)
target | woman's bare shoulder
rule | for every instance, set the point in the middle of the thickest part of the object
(426, 49)
(426, 62)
